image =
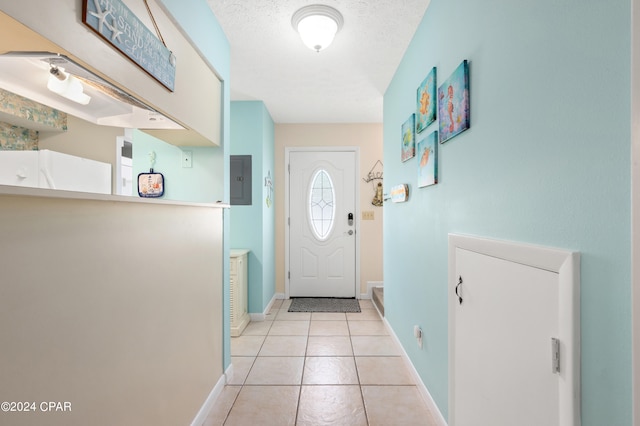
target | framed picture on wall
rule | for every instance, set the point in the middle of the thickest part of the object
(453, 103)
(426, 102)
(408, 144)
(151, 185)
(428, 160)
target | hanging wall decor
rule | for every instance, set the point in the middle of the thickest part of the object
(119, 27)
(375, 177)
(151, 184)
(268, 183)
(426, 102)
(453, 103)
(400, 193)
(408, 139)
(428, 160)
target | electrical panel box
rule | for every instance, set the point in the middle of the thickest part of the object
(240, 180)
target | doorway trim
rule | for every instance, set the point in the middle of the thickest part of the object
(287, 153)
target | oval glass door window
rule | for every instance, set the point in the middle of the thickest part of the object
(321, 205)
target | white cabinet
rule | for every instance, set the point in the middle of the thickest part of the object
(239, 296)
(514, 334)
(54, 170)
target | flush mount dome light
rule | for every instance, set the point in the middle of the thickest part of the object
(317, 25)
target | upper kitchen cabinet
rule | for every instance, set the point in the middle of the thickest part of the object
(191, 112)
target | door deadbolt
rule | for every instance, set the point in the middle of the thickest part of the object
(350, 219)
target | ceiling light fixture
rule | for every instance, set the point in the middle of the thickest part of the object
(317, 25)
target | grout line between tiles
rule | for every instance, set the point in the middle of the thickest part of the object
(304, 364)
(306, 355)
(231, 406)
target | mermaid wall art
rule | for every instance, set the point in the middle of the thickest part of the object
(453, 103)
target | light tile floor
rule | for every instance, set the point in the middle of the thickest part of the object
(318, 369)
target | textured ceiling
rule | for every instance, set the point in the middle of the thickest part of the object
(342, 84)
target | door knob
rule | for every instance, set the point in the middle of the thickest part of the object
(350, 232)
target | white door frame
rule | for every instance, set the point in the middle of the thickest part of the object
(287, 152)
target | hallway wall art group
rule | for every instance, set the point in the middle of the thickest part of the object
(450, 105)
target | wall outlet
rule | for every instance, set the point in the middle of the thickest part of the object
(187, 159)
(417, 333)
(367, 215)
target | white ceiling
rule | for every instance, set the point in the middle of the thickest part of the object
(343, 84)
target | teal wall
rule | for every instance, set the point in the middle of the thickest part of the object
(252, 227)
(203, 30)
(268, 216)
(546, 161)
(181, 183)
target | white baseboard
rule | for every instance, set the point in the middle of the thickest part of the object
(371, 285)
(424, 392)
(261, 317)
(379, 313)
(228, 374)
(203, 413)
(256, 317)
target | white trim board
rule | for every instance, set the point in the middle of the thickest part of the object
(370, 287)
(203, 413)
(424, 392)
(567, 265)
(257, 317)
(262, 316)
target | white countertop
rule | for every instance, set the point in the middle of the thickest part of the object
(72, 195)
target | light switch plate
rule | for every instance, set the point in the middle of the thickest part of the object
(367, 215)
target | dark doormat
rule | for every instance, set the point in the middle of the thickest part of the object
(323, 304)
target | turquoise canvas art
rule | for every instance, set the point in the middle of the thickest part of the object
(427, 149)
(408, 139)
(426, 102)
(453, 103)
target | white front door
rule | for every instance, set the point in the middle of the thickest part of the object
(322, 225)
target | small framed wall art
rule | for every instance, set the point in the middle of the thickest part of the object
(428, 160)
(408, 139)
(151, 185)
(453, 103)
(426, 102)
(400, 193)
